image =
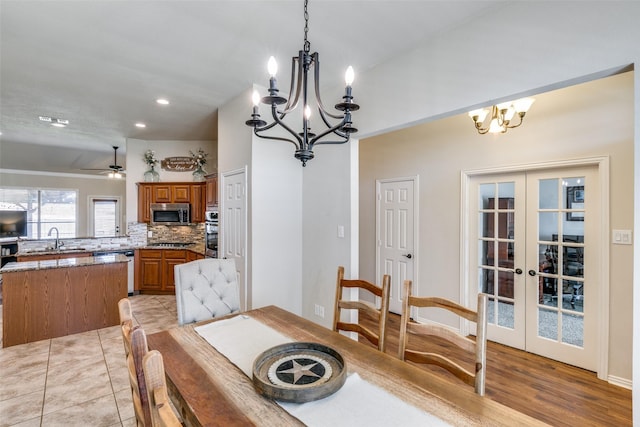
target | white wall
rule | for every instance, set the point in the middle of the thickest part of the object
(327, 203)
(136, 166)
(274, 191)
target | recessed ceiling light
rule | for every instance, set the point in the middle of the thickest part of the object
(60, 123)
(162, 101)
(141, 125)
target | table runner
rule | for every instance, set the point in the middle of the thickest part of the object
(241, 339)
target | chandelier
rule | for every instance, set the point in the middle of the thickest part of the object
(501, 116)
(304, 140)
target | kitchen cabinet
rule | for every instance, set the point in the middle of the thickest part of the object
(145, 196)
(52, 300)
(8, 251)
(148, 270)
(171, 192)
(197, 197)
(161, 194)
(212, 190)
(154, 269)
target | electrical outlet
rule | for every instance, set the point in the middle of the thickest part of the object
(318, 310)
(149, 233)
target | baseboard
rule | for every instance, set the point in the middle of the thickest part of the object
(620, 382)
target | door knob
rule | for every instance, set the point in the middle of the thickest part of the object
(407, 255)
(532, 272)
(518, 271)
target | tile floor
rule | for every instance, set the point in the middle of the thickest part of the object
(77, 380)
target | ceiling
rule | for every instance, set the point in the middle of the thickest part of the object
(102, 64)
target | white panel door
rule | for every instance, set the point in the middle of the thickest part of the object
(233, 227)
(395, 235)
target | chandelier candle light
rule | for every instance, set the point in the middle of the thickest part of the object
(501, 116)
(305, 140)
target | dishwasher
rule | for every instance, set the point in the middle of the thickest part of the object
(129, 254)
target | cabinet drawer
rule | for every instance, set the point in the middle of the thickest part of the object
(175, 254)
(151, 253)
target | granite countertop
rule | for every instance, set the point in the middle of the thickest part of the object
(63, 263)
(195, 247)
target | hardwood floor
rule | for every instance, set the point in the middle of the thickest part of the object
(553, 392)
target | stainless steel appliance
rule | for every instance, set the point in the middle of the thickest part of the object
(170, 213)
(211, 234)
(129, 254)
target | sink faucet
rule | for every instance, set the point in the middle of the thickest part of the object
(57, 244)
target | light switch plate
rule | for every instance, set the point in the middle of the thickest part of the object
(621, 237)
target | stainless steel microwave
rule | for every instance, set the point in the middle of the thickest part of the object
(170, 213)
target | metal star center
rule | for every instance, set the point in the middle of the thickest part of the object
(300, 371)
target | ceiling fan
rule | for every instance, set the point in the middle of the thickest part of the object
(115, 170)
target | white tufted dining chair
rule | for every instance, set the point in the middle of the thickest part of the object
(206, 288)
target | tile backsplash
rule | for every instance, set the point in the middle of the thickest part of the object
(140, 235)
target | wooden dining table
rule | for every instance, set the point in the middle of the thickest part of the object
(209, 390)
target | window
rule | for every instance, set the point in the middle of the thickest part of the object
(45, 209)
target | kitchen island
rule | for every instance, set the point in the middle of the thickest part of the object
(57, 297)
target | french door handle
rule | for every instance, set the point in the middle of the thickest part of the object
(408, 256)
(518, 271)
(532, 272)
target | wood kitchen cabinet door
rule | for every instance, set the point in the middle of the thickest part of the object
(181, 193)
(171, 259)
(149, 270)
(198, 202)
(212, 191)
(162, 194)
(145, 197)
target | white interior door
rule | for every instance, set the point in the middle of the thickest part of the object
(395, 235)
(233, 227)
(562, 265)
(498, 204)
(535, 255)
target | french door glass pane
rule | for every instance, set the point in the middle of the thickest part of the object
(548, 323)
(505, 314)
(573, 329)
(548, 194)
(547, 225)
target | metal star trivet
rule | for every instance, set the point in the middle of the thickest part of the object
(299, 371)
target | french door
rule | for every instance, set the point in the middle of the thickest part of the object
(535, 255)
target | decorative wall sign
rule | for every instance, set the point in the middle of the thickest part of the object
(178, 164)
(299, 372)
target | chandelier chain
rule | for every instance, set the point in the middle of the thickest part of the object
(307, 45)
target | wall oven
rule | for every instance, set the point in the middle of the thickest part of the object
(211, 234)
(170, 213)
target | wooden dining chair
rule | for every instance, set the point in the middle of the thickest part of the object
(377, 338)
(126, 319)
(135, 358)
(162, 414)
(476, 347)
